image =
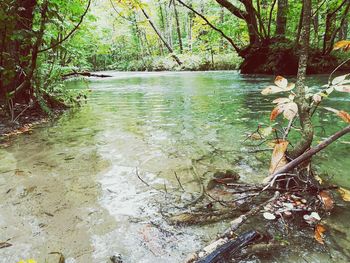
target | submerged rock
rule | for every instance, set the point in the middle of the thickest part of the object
(221, 177)
(117, 258)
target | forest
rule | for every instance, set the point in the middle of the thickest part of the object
(174, 131)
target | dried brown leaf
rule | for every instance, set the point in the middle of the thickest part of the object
(344, 115)
(275, 112)
(278, 158)
(327, 200)
(281, 82)
(319, 233)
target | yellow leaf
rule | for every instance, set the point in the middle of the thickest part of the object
(345, 194)
(343, 44)
(319, 233)
(27, 261)
(319, 179)
(278, 158)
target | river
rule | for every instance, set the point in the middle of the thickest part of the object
(92, 183)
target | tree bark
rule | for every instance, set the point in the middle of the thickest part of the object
(178, 30)
(26, 88)
(249, 15)
(20, 49)
(343, 33)
(342, 23)
(270, 18)
(303, 106)
(281, 21)
(330, 26)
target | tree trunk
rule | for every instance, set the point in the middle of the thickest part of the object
(222, 21)
(343, 33)
(190, 24)
(300, 24)
(281, 21)
(303, 106)
(270, 18)
(249, 16)
(161, 38)
(343, 20)
(20, 49)
(178, 30)
(330, 27)
(316, 24)
(252, 22)
(26, 88)
(331, 30)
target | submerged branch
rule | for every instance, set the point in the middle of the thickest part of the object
(85, 74)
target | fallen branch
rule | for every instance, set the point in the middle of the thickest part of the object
(235, 224)
(222, 250)
(5, 244)
(308, 154)
(85, 74)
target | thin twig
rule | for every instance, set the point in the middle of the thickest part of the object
(138, 176)
(178, 180)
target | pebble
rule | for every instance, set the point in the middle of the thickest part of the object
(287, 213)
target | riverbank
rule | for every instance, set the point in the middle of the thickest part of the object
(189, 62)
(26, 118)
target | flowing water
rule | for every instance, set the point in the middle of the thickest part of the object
(93, 183)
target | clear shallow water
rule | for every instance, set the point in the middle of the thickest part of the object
(155, 124)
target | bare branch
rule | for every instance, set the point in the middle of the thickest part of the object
(70, 33)
(233, 9)
(238, 50)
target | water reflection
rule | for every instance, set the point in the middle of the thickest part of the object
(157, 123)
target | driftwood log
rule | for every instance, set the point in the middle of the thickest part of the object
(85, 74)
(224, 249)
